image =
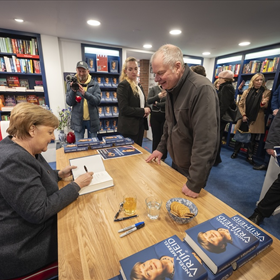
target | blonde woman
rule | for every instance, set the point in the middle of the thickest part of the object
(252, 104)
(133, 109)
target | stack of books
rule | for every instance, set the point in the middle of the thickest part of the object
(213, 250)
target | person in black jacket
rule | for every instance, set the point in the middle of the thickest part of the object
(133, 109)
(271, 199)
(156, 99)
(226, 99)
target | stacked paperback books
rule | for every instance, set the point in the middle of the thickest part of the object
(212, 250)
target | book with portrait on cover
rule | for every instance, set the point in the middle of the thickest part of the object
(101, 178)
(220, 242)
(168, 259)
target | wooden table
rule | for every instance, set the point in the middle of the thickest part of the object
(89, 246)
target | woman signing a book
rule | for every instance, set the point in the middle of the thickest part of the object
(133, 109)
(29, 194)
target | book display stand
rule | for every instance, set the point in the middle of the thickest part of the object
(22, 73)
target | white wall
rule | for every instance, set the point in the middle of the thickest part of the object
(208, 64)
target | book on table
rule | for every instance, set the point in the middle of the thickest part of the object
(170, 258)
(220, 242)
(264, 240)
(101, 178)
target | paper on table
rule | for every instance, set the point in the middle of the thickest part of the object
(101, 178)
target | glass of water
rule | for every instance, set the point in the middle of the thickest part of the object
(153, 205)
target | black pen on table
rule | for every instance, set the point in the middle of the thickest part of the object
(85, 168)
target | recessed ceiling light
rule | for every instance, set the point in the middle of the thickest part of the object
(93, 22)
(244, 44)
(147, 46)
(175, 32)
(206, 53)
(18, 19)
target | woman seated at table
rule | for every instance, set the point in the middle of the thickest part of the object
(29, 194)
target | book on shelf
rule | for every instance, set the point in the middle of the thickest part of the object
(102, 96)
(94, 163)
(114, 66)
(100, 81)
(107, 126)
(2, 98)
(114, 82)
(102, 63)
(107, 97)
(10, 100)
(7, 63)
(101, 112)
(114, 125)
(220, 242)
(90, 62)
(37, 66)
(41, 100)
(107, 82)
(3, 82)
(114, 96)
(264, 240)
(21, 98)
(31, 98)
(108, 111)
(170, 258)
(2, 65)
(13, 81)
(115, 111)
(24, 83)
(270, 65)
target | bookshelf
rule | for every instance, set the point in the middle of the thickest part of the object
(105, 68)
(21, 66)
(263, 60)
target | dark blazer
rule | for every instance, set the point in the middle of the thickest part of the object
(130, 113)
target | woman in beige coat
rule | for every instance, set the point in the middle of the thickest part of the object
(252, 104)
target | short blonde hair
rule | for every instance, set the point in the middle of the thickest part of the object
(25, 114)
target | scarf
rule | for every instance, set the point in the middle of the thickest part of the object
(253, 103)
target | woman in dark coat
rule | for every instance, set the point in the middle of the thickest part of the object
(226, 99)
(133, 109)
(252, 104)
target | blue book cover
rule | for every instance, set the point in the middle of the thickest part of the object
(114, 125)
(223, 275)
(115, 111)
(128, 141)
(107, 111)
(114, 96)
(83, 148)
(168, 259)
(107, 82)
(70, 148)
(100, 81)
(220, 242)
(114, 82)
(91, 64)
(107, 126)
(84, 142)
(102, 130)
(95, 141)
(114, 66)
(107, 96)
(113, 139)
(264, 240)
(102, 96)
(101, 112)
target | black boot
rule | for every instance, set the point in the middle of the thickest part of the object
(234, 155)
(256, 218)
(250, 160)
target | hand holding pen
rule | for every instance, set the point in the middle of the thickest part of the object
(84, 179)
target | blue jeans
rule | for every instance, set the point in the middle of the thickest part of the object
(81, 134)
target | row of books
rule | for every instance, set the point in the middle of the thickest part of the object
(9, 101)
(109, 96)
(107, 126)
(108, 111)
(256, 66)
(212, 250)
(19, 65)
(14, 83)
(19, 46)
(235, 68)
(107, 82)
(95, 143)
(100, 63)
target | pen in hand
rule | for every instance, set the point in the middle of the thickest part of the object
(85, 168)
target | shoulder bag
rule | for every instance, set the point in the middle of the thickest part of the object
(232, 114)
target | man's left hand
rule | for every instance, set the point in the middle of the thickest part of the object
(186, 191)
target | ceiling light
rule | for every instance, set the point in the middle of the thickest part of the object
(244, 44)
(147, 46)
(206, 53)
(175, 32)
(18, 19)
(93, 22)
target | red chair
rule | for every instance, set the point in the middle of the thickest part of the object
(46, 273)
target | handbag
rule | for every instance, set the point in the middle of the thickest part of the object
(232, 114)
(243, 137)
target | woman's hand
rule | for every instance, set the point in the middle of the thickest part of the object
(265, 100)
(66, 172)
(147, 112)
(84, 179)
(244, 119)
